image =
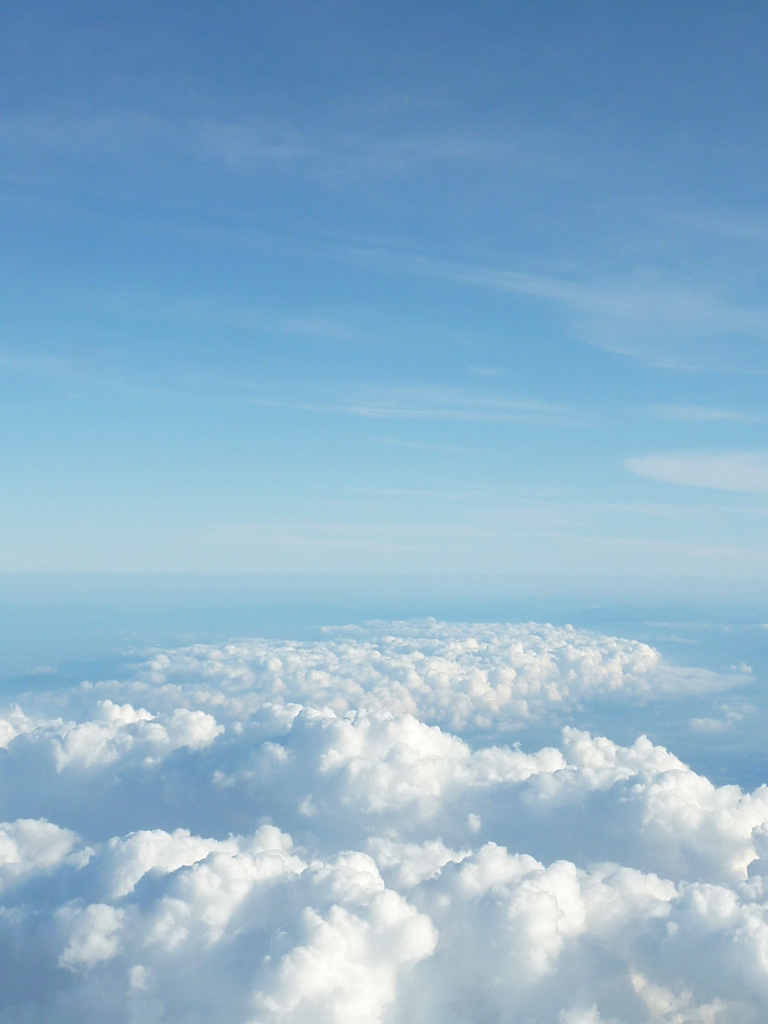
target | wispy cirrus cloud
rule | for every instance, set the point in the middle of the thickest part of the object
(647, 315)
(133, 134)
(746, 472)
(653, 314)
(426, 403)
(360, 142)
(704, 414)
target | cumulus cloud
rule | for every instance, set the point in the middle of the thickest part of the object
(128, 860)
(459, 677)
(94, 934)
(332, 832)
(114, 732)
(29, 847)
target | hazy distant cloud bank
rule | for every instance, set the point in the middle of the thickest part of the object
(339, 832)
(459, 677)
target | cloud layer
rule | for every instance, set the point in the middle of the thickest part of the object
(338, 832)
(457, 677)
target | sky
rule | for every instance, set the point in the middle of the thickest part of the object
(445, 291)
(383, 492)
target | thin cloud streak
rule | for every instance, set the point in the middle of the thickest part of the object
(421, 446)
(745, 472)
(425, 403)
(702, 414)
(357, 144)
(664, 324)
(649, 317)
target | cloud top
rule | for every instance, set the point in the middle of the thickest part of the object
(458, 676)
(275, 833)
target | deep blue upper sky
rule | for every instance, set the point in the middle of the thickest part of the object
(386, 288)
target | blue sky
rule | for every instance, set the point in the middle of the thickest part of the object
(468, 290)
(383, 314)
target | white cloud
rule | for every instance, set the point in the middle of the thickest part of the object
(113, 733)
(94, 934)
(395, 762)
(461, 677)
(102, 741)
(708, 724)
(30, 847)
(193, 729)
(347, 966)
(413, 863)
(665, 1005)
(727, 471)
(14, 725)
(129, 859)
(204, 898)
(587, 1016)
(435, 872)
